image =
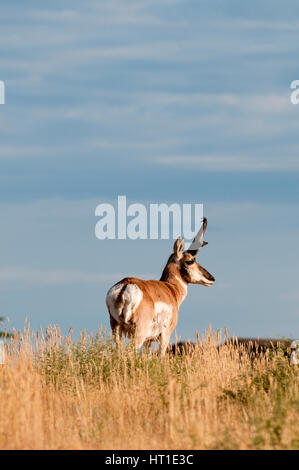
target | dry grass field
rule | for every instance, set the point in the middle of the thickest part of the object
(59, 394)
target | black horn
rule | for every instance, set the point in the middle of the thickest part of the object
(198, 240)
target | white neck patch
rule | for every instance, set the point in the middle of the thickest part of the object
(184, 286)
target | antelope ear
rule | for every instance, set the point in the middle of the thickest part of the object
(178, 247)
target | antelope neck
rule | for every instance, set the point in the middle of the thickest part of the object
(172, 275)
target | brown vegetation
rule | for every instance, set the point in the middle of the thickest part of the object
(58, 394)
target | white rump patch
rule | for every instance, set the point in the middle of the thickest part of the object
(132, 297)
(111, 297)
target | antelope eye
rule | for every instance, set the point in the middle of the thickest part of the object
(190, 262)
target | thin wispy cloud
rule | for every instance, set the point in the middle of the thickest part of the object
(231, 163)
(266, 25)
(18, 276)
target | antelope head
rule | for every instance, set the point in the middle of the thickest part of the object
(191, 271)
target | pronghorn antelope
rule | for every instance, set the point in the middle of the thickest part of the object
(148, 310)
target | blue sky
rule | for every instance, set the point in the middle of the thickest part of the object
(173, 101)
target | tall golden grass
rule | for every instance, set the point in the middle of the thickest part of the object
(56, 393)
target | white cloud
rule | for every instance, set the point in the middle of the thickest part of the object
(16, 151)
(102, 15)
(244, 102)
(274, 25)
(55, 15)
(25, 275)
(230, 163)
